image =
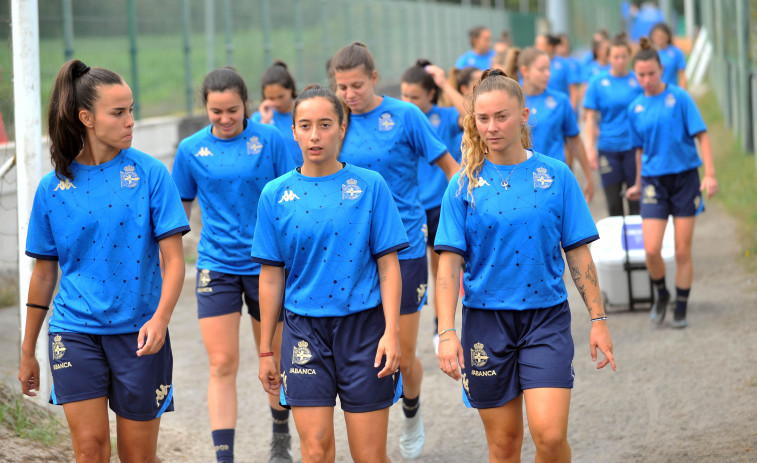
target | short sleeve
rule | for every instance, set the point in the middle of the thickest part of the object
(450, 234)
(680, 60)
(569, 124)
(578, 226)
(590, 98)
(166, 211)
(422, 137)
(691, 116)
(265, 244)
(387, 232)
(256, 117)
(636, 140)
(182, 175)
(40, 243)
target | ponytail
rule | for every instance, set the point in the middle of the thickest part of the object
(646, 52)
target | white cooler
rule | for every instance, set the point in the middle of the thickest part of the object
(610, 256)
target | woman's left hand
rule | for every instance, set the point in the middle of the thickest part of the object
(151, 337)
(599, 338)
(709, 186)
(588, 190)
(389, 347)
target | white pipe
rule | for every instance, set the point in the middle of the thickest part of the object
(28, 121)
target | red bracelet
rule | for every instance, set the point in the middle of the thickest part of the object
(266, 354)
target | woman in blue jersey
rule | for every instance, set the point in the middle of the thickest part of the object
(508, 216)
(551, 118)
(481, 53)
(665, 123)
(327, 239)
(105, 216)
(225, 166)
(599, 65)
(422, 85)
(279, 91)
(561, 75)
(606, 106)
(391, 137)
(672, 58)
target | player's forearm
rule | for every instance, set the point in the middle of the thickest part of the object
(41, 287)
(575, 145)
(448, 164)
(271, 297)
(390, 283)
(448, 288)
(172, 252)
(706, 150)
(584, 275)
(638, 166)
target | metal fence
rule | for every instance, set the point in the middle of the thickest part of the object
(164, 49)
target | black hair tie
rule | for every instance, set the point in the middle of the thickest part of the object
(80, 70)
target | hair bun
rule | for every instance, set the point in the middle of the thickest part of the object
(645, 44)
(359, 44)
(312, 87)
(79, 69)
(422, 62)
(278, 62)
(493, 73)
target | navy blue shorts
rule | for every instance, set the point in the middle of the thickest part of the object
(87, 366)
(322, 357)
(414, 274)
(432, 224)
(674, 194)
(222, 293)
(508, 351)
(617, 167)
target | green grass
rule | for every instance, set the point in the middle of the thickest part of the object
(736, 172)
(28, 421)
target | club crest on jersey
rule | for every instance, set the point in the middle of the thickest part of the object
(386, 123)
(542, 179)
(421, 291)
(351, 190)
(435, 120)
(288, 196)
(478, 355)
(551, 103)
(650, 195)
(605, 82)
(161, 393)
(632, 82)
(670, 101)
(64, 184)
(203, 280)
(639, 108)
(301, 354)
(481, 182)
(129, 178)
(58, 348)
(253, 146)
(204, 152)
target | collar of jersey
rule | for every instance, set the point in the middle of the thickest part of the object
(305, 178)
(532, 158)
(250, 122)
(380, 107)
(116, 158)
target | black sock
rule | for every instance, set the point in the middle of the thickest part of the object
(280, 420)
(682, 298)
(223, 441)
(662, 291)
(436, 325)
(411, 406)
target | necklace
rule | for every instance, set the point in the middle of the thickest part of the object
(505, 181)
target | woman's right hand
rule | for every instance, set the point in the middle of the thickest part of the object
(593, 157)
(266, 111)
(451, 357)
(28, 374)
(269, 374)
(634, 193)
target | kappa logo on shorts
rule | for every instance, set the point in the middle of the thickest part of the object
(204, 152)
(284, 380)
(64, 184)
(421, 291)
(351, 190)
(386, 123)
(129, 178)
(604, 165)
(478, 355)
(288, 196)
(204, 281)
(301, 354)
(58, 348)
(650, 195)
(161, 393)
(542, 179)
(424, 229)
(253, 146)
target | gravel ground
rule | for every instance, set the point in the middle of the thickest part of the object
(678, 395)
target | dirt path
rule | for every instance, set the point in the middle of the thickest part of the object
(688, 395)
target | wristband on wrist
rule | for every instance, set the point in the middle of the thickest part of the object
(265, 354)
(37, 306)
(598, 319)
(444, 331)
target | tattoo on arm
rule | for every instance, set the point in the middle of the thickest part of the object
(582, 292)
(591, 274)
(383, 278)
(575, 273)
(443, 283)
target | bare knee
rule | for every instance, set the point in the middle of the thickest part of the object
(683, 255)
(131, 456)
(507, 447)
(93, 449)
(318, 449)
(223, 365)
(550, 441)
(368, 455)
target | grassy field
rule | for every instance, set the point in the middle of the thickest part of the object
(737, 177)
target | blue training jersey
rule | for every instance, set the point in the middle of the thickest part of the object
(431, 179)
(673, 61)
(103, 228)
(470, 58)
(560, 75)
(511, 239)
(610, 96)
(664, 127)
(227, 176)
(283, 123)
(594, 69)
(551, 119)
(391, 140)
(328, 233)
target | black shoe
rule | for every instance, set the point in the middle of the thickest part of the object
(679, 321)
(281, 448)
(657, 314)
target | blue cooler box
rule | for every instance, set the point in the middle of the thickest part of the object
(609, 254)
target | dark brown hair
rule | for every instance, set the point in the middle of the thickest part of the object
(475, 32)
(353, 56)
(222, 79)
(278, 73)
(664, 28)
(464, 76)
(417, 75)
(317, 91)
(621, 40)
(646, 52)
(75, 88)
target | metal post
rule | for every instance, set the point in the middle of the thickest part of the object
(68, 29)
(228, 30)
(347, 22)
(299, 45)
(688, 11)
(370, 37)
(28, 121)
(132, 5)
(557, 13)
(186, 26)
(267, 43)
(326, 50)
(742, 90)
(210, 33)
